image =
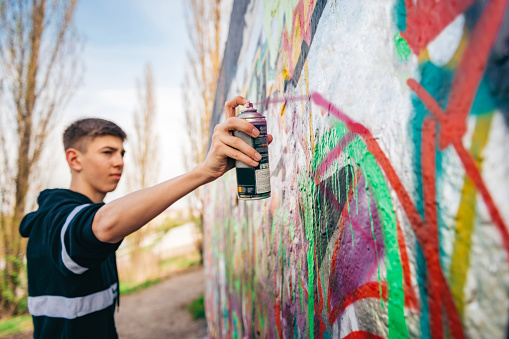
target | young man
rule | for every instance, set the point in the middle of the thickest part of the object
(73, 236)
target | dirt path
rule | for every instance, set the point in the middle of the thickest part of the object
(160, 311)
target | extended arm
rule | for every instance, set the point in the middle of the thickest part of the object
(126, 215)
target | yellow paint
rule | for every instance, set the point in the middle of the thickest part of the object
(286, 74)
(424, 56)
(297, 42)
(283, 120)
(456, 58)
(465, 219)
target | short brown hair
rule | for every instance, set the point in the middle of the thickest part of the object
(80, 132)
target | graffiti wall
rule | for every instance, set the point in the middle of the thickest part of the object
(389, 211)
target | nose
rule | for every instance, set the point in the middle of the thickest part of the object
(118, 160)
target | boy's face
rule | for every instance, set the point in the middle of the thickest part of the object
(102, 163)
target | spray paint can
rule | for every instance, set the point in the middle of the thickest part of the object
(254, 182)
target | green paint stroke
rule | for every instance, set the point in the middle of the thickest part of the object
(402, 49)
(381, 194)
(307, 189)
(357, 153)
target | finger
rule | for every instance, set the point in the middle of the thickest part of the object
(229, 106)
(240, 145)
(269, 138)
(240, 125)
(238, 155)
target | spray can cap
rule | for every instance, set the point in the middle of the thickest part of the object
(248, 108)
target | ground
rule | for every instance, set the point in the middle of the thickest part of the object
(160, 311)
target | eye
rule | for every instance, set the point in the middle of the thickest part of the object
(107, 152)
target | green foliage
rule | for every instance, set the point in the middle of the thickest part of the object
(197, 308)
(129, 287)
(22, 305)
(17, 276)
(15, 325)
(181, 262)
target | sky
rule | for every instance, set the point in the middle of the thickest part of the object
(121, 37)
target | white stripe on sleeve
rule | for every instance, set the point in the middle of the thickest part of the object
(66, 259)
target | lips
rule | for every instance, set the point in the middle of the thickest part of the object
(116, 176)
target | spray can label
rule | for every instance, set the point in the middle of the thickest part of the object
(254, 182)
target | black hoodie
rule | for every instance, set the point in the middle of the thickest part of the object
(72, 276)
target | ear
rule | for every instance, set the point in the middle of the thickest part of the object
(72, 156)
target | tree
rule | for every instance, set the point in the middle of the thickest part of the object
(39, 60)
(199, 87)
(144, 151)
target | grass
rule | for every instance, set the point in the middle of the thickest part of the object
(130, 287)
(197, 308)
(181, 262)
(13, 325)
(173, 264)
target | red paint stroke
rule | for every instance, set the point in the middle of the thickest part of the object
(316, 307)
(428, 166)
(319, 284)
(427, 18)
(362, 335)
(335, 253)
(368, 239)
(373, 147)
(467, 77)
(410, 296)
(468, 163)
(318, 313)
(474, 174)
(332, 199)
(368, 290)
(299, 19)
(330, 196)
(277, 309)
(413, 215)
(283, 100)
(333, 155)
(470, 71)
(426, 98)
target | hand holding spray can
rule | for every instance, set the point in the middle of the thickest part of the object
(254, 182)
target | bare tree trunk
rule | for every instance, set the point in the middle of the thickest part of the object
(144, 146)
(204, 29)
(36, 85)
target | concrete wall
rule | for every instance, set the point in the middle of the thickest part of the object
(389, 167)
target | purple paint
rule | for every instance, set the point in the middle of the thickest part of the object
(356, 264)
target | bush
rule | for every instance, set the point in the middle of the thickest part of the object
(197, 308)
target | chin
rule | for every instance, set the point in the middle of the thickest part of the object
(111, 188)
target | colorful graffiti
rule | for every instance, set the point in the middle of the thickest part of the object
(387, 169)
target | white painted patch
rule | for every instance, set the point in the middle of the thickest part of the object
(443, 47)
(348, 321)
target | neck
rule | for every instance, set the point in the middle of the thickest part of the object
(87, 190)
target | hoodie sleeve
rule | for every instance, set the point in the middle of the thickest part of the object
(75, 248)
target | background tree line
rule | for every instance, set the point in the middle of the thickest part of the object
(41, 69)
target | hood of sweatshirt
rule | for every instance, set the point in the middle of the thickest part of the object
(48, 200)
